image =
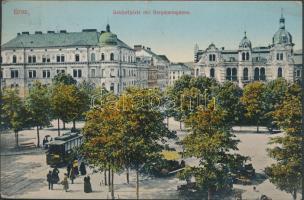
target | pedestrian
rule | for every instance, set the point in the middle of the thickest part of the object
(83, 170)
(55, 175)
(75, 167)
(87, 184)
(72, 175)
(65, 182)
(49, 179)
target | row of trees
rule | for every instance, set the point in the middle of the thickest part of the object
(63, 100)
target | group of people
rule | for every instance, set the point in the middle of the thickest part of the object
(72, 173)
(45, 141)
(53, 177)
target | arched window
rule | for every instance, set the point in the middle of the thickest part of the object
(256, 74)
(280, 73)
(247, 56)
(243, 56)
(245, 74)
(14, 59)
(34, 59)
(112, 56)
(102, 56)
(77, 58)
(228, 74)
(234, 74)
(212, 74)
(262, 74)
(93, 57)
(197, 72)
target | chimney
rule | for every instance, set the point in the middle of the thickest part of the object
(51, 32)
(25, 33)
(38, 32)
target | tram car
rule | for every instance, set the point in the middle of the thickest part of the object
(61, 149)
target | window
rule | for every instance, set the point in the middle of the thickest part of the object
(58, 58)
(262, 74)
(211, 57)
(32, 73)
(102, 73)
(46, 73)
(247, 56)
(93, 57)
(14, 59)
(43, 59)
(93, 72)
(228, 74)
(124, 72)
(212, 73)
(298, 73)
(243, 56)
(112, 56)
(234, 74)
(197, 71)
(34, 59)
(280, 72)
(14, 73)
(256, 74)
(77, 73)
(245, 74)
(102, 56)
(279, 56)
(112, 87)
(60, 71)
(29, 59)
(62, 58)
(112, 73)
(77, 58)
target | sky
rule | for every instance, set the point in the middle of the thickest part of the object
(203, 22)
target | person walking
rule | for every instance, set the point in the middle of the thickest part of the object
(75, 167)
(72, 175)
(65, 182)
(87, 184)
(55, 175)
(83, 170)
(49, 179)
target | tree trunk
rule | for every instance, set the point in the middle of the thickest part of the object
(58, 127)
(112, 185)
(127, 175)
(17, 139)
(137, 184)
(209, 193)
(105, 177)
(38, 137)
(63, 125)
(109, 179)
(74, 124)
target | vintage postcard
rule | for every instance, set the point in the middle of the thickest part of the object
(152, 100)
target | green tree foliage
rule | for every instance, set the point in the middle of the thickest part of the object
(212, 143)
(38, 105)
(254, 101)
(228, 97)
(15, 113)
(286, 172)
(67, 102)
(65, 79)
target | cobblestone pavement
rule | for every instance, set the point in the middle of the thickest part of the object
(23, 175)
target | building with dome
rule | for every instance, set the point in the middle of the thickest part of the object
(97, 57)
(247, 63)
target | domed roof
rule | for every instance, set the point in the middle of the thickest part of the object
(245, 42)
(282, 36)
(108, 38)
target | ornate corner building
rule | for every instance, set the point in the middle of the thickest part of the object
(247, 63)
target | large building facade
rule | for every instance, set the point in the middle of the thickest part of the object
(247, 63)
(97, 57)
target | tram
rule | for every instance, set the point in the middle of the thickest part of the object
(61, 149)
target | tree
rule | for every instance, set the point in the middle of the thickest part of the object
(38, 105)
(15, 114)
(144, 132)
(67, 102)
(228, 97)
(286, 172)
(211, 142)
(65, 79)
(254, 101)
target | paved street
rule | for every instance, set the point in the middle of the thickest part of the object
(24, 175)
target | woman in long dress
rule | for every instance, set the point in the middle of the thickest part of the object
(87, 184)
(65, 183)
